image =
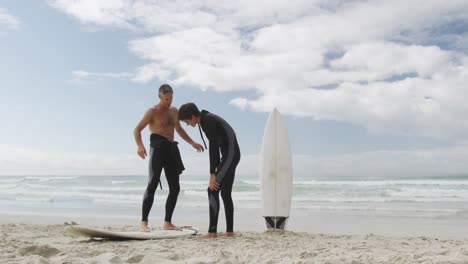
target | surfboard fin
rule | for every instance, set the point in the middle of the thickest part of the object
(275, 222)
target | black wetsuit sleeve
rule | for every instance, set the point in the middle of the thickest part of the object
(210, 132)
(214, 157)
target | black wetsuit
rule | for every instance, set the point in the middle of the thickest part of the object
(222, 138)
(163, 154)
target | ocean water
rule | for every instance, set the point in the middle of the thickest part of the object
(121, 196)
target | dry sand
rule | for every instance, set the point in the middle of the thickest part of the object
(47, 243)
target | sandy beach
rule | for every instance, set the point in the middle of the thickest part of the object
(345, 122)
(352, 221)
(42, 240)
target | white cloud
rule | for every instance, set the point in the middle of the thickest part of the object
(164, 16)
(442, 162)
(79, 75)
(7, 20)
(380, 60)
(428, 107)
(102, 12)
(142, 74)
(149, 72)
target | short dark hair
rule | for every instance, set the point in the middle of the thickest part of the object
(186, 111)
(164, 89)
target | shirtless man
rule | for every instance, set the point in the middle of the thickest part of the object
(164, 153)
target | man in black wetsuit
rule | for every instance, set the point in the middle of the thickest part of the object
(164, 153)
(222, 138)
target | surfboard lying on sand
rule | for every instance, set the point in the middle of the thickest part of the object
(113, 235)
(276, 172)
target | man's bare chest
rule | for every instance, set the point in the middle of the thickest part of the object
(164, 119)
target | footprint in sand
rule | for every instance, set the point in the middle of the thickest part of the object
(135, 259)
(444, 252)
(36, 260)
(44, 251)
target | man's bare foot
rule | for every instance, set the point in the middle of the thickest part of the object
(209, 235)
(144, 227)
(230, 234)
(170, 226)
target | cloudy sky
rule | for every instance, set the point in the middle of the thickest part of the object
(368, 88)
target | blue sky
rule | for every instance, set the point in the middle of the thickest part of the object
(373, 83)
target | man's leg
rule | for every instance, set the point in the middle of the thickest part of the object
(226, 190)
(213, 198)
(172, 176)
(155, 168)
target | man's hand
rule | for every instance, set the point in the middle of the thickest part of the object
(142, 152)
(198, 147)
(213, 185)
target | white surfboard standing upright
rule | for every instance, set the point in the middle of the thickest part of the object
(276, 172)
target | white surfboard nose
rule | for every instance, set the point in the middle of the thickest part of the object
(276, 172)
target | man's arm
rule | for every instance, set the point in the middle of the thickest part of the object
(214, 156)
(137, 133)
(185, 136)
(211, 134)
